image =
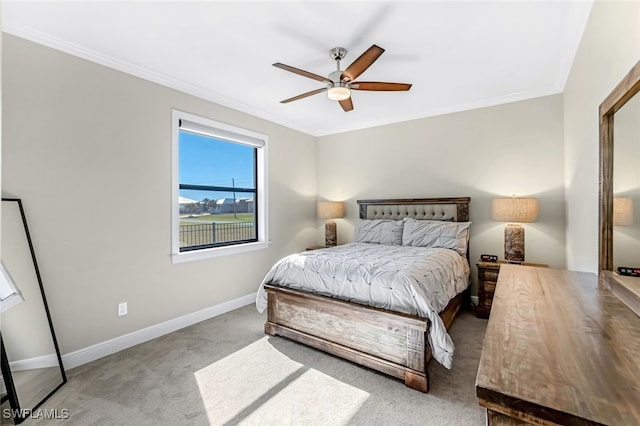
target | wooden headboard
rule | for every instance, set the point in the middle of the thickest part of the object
(450, 209)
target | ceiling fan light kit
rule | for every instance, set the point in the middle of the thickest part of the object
(341, 83)
(339, 91)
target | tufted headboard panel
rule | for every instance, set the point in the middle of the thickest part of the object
(450, 209)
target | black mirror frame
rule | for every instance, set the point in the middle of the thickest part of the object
(20, 414)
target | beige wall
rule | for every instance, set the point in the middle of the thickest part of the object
(509, 149)
(610, 47)
(88, 149)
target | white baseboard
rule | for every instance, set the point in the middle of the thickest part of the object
(102, 349)
(474, 300)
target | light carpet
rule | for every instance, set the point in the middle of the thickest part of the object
(227, 371)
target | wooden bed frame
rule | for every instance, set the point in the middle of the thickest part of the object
(390, 342)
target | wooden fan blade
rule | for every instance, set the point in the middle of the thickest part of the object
(363, 62)
(304, 95)
(346, 104)
(301, 72)
(379, 86)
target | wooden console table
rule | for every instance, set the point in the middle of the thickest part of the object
(559, 349)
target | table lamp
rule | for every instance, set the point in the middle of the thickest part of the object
(330, 210)
(520, 210)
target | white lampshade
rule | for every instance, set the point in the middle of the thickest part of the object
(521, 210)
(330, 209)
(622, 211)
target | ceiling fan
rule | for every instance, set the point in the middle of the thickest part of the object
(339, 84)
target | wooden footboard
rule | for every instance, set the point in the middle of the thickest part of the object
(390, 342)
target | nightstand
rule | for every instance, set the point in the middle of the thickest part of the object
(487, 279)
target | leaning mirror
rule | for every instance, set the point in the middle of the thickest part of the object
(31, 363)
(619, 190)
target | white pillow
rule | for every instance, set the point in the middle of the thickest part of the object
(379, 231)
(435, 233)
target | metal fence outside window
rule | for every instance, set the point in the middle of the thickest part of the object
(215, 232)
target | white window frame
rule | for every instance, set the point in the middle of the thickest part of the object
(225, 132)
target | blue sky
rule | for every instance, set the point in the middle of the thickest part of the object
(207, 161)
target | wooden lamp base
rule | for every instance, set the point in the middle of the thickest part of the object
(514, 243)
(330, 233)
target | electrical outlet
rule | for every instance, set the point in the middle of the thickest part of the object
(122, 309)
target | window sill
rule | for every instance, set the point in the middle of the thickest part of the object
(191, 256)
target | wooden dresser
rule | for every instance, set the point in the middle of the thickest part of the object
(559, 349)
(487, 278)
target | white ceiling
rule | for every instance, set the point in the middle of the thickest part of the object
(458, 55)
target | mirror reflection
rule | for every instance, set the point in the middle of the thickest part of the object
(626, 185)
(32, 368)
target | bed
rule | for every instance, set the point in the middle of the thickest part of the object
(384, 301)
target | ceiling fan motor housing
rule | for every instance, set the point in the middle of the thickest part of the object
(338, 90)
(336, 79)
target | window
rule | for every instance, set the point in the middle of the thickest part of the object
(219, 189)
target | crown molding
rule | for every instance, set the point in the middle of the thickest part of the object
(316, 131)
(147, 74)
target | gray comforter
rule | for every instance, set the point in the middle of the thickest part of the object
(414, 280)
